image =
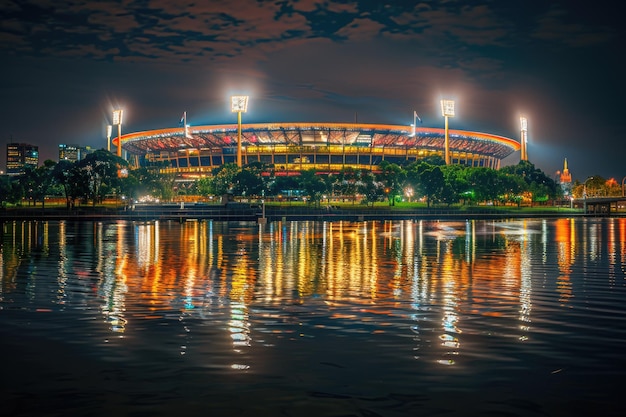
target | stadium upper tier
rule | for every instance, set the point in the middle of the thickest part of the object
(313, 145)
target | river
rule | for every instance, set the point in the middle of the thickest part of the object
(519, 317)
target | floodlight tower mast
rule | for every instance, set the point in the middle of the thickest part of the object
(523, 137)
(447, 111)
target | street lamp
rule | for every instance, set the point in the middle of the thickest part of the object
(585, 194)
(117, 120)
(447, 110)
(585, 187)
(239, 104)
(109, 131)
(524, 137)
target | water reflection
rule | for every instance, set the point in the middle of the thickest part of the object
(425, 280)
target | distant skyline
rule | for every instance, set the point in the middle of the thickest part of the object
(68, 64)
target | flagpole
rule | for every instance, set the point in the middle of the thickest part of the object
(186, 130)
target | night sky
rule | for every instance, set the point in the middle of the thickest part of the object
(67, 64)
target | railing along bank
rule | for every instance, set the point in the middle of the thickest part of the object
(247, 212)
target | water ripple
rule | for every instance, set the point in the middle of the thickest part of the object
(315, 318)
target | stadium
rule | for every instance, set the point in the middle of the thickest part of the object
(194, 151)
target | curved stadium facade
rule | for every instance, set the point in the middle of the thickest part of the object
(292, 147)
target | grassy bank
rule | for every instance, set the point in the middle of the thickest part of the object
(417, 206)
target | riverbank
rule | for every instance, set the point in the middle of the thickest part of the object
(253, 212)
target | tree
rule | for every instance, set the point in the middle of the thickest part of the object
(540, 185)
(455, 183)
(224, 178)
(37, 182)
(164, 187)
(347, 182)
(330, 182)
(392, 177)
(62, 175)
(432, 183)
(612, 188)
(511, 188)
(413, 175)
(371, 190)
(99, 174)
(144, 181)
(10, 191)
(129, 187)
(482, 183)
(204, 186)
(248, 182)
(436, 160)
(312, 185)
(283, 185)
(28, 182)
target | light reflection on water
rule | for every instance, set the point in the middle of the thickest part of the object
(316, 312)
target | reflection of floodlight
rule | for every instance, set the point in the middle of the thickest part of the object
(109, 131)
(447, 110)
(524, 137)
(117, 120)
(239, 104)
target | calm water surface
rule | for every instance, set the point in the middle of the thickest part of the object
(399, 318)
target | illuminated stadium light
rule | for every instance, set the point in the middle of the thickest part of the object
(239, 104)
(447, 111)
(117, 116)
(109, 132)
(447, 108)
(117, 120)
(524, 137)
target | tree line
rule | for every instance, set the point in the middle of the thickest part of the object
(103, 175)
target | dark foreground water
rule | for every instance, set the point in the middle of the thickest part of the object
(468, 318)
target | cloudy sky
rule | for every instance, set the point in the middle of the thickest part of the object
(67, 64)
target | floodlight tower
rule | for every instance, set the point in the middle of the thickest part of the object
(117, 120)
(239, 104)
(523, 137)
(447, 111)
(109, 131)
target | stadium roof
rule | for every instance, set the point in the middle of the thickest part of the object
(317, 134)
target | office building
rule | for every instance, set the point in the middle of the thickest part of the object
(73, 153)
(21, 156)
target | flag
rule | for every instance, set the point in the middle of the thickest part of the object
(183, 119)
(416, 116)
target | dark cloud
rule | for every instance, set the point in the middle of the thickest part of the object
(68, 62)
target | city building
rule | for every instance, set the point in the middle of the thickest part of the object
(21, 156)
(292, 147)
(73, 153)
